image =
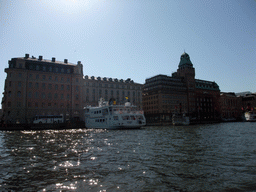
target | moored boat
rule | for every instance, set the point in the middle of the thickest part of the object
(250, 116)
(180, 119)
(109, 116)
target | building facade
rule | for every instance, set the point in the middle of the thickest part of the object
(180, 93)
(249, 102)
(36, 86)
(230, 106)
(119, 90)
(41, 87)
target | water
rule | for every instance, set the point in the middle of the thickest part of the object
(219, 157)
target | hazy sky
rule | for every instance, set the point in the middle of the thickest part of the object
(136, 39)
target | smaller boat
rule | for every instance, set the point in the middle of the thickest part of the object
(180, 119)
(250, 116)
(109, 116)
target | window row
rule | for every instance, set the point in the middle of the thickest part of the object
(44, 95)
(43, 104)
(117, 86)
(49, 68)
(107, 91)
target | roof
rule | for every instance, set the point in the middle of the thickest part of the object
(185, 60)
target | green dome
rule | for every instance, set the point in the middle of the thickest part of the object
(185, 60)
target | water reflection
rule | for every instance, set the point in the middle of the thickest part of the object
(194, 158)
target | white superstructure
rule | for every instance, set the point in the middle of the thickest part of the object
(250, 116)
(108, 116)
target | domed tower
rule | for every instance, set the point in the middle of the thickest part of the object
(185, 66)
(187, 71)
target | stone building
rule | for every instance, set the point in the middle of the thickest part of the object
(95, 88)
(36, 86)
(180, 93)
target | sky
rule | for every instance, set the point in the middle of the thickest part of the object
(136, 39)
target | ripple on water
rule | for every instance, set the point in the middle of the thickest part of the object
(194, 158)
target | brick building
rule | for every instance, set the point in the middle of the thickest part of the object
(181, 93)
(41, 87)
(36, 86)
(230, 106)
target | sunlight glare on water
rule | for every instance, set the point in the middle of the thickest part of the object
(220, 157)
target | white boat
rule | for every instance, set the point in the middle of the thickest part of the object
(250, 116)
(109, 116)
(179, 119)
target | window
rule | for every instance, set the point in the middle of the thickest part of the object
(68, 70)
(10, 83)
(68, 80)
(62, 70)
(67, 96)
(49, 95)
(37, 85)
(61, 96)
(49, 104)
(19, 84)
(18, 104)
(49, 86)
(77, 80)
(29, 104)
(56, 70)
(29, 94)
(37, 76)
(20, 74)
(9, 104)
(36, 105)
(62, 87)
(37, 67)
(18, 94)
(76, 96)
(56, 87)
(43, 77)
(43, 85)
(29, 84)
(68, 87)
(77, 89)
(56, 78)
(50, 77)
(55, 96)
(36, 94)
(20, 65)
(44, 68)
(43, 95)
(9, 94)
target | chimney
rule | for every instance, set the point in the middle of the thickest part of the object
(40, 57)
(53, 59)
(78, 62)
(26, 55)
(65, 61)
